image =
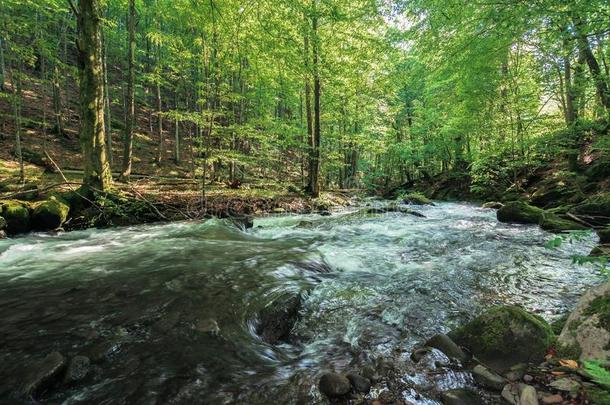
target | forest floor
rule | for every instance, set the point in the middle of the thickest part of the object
(53, 164)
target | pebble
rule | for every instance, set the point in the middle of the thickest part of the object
(528, 378)
(552, 399)
(528, 396)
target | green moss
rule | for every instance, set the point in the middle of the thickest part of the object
(553, 223)
(600, 306)
(520, 212)
(559, 323)
(50, 214)
(505, 336)
(596, 208)
(569, 351)
(416, 199)
(17, 215)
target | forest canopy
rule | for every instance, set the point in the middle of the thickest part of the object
(326, 93)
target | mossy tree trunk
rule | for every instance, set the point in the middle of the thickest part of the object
(131, 93)
(97, 172)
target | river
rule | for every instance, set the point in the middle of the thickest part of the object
(168, 313)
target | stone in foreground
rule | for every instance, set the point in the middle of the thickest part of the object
(334, 385)
(505, 336)
(43, 374)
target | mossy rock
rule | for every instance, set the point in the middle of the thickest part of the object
(600, 251)
(596, 209)
(587, 330)
(604, 235)
(17, 216)
(505, 336)
(416, 199)
(519, 212)
(50, 214)
(563, 187)
(553, 223)
(2, 223)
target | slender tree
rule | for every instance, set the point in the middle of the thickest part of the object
(131, 93)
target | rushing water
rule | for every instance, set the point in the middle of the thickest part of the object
(168, 312)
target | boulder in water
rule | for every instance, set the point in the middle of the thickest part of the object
(243, 222)
(17, 216)
(360, 383)
(587, 330)
(78, 368)
(334, 385)
(50, 214)
(505, 336)
(278, 318)
(448, 347)
(416, 199)
(43, 374)
(519, 212)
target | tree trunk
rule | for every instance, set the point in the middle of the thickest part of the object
(177, 134)
(97, 172)
(2, 65)
(160, 124)
(315, 181)
(107, 117)
(131, 93)
(570, 112)
(16, 87)
(600, 82)
(57, 107)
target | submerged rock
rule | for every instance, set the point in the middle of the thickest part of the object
(505, 336)
(519, 212)
(461, 396)
(43, 374)
(78, 368)
(17, 216)
(50, 214)
(448, 347)
(243, 222)
(391, 208)
(278, 318)
(360, 383)
(334, 385)
(587, 330)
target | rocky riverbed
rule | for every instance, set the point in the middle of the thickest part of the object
(296, 306)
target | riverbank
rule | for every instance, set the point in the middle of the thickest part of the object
(53, 202)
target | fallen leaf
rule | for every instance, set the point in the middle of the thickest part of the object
(558, 373)
(569, 363)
